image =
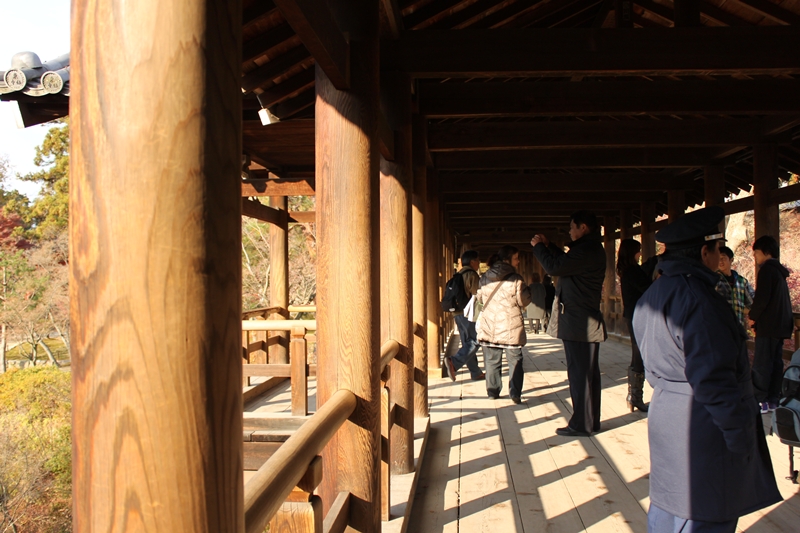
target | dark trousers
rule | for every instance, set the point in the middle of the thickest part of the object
(636, 356)
(768, 369)
(493, 361)
(468, 354)
(660, 521)
(583, 373)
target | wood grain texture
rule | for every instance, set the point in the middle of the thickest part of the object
(299, 359)
(155, 269)
(433, 260)
(348, 269)
(279, 276)
(396, 179)
(419, 281)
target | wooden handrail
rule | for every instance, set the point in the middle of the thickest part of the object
(389, 351)
(277, 325)
(302, 309)
(272, 483)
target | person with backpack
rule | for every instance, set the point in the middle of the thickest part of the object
(462, 291)
(709, 461)
(504, 295)
(771, 316)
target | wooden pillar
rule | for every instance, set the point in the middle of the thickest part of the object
(279, 278)
(687, 13)
(419, 278)
(648, 236)
(714, 188)
(765, 180)
(676, 204)
(348, 269)
(610, 283)
(155, 267)
(396, 182)
(625, 224)
(433, 262)
(623, 13)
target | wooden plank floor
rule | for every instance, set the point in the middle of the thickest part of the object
(498, 467)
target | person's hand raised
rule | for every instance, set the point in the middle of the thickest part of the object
(539, 238)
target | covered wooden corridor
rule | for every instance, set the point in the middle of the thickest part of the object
(494, 466)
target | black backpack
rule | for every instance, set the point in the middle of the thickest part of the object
(786, 418)
(455, 297)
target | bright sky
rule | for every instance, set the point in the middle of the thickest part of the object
(40, 26)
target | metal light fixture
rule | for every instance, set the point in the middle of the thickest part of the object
(266, 115)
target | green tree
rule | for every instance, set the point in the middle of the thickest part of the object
(49, 213)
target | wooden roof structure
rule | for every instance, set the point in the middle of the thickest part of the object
(421, 127)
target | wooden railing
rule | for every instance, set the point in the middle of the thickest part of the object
(298, 369)
(273, 482)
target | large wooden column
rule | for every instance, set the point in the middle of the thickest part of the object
(155, 266)
(348, 266)
(419, 277)
(714, 188)
(433, 262)
(648, 236)
(279, 278)
(765, 180)
(395, 257)
(676, 207)
(625, 224)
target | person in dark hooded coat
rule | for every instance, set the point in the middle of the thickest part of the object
(709, 461)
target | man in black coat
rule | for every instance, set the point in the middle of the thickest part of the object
(771, 314)
(709, 461)
(576, 318)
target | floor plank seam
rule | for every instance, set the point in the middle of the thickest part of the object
(460, 451)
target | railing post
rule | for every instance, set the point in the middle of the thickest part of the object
(279, 278)
(348, 291)
(155, 266)
(299, 362)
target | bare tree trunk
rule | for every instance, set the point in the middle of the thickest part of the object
(64, 338)
(3, 344)
(49, 353)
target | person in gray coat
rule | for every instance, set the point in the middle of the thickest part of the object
(709, 461)
(576, 318)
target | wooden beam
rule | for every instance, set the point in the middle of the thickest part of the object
(155, 267)
(677, 204)
(595, 52)
(278, 187)
(731, 97)
(303, 217)
(386, 142)
(554, 182)
(687, 13)
(265, 74)
(576, 196)
(512, 206)
(259, 211)
(291, 87)
(393, 17)
(314, 23)
(578, 158)
(782, 195)
(772, 11)
(460, 136)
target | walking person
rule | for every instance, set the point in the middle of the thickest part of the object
(771, 315)
(504, 295)
(634, 280)
(734, 287)
(709, 462)
(576, 318)
(468, 354)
